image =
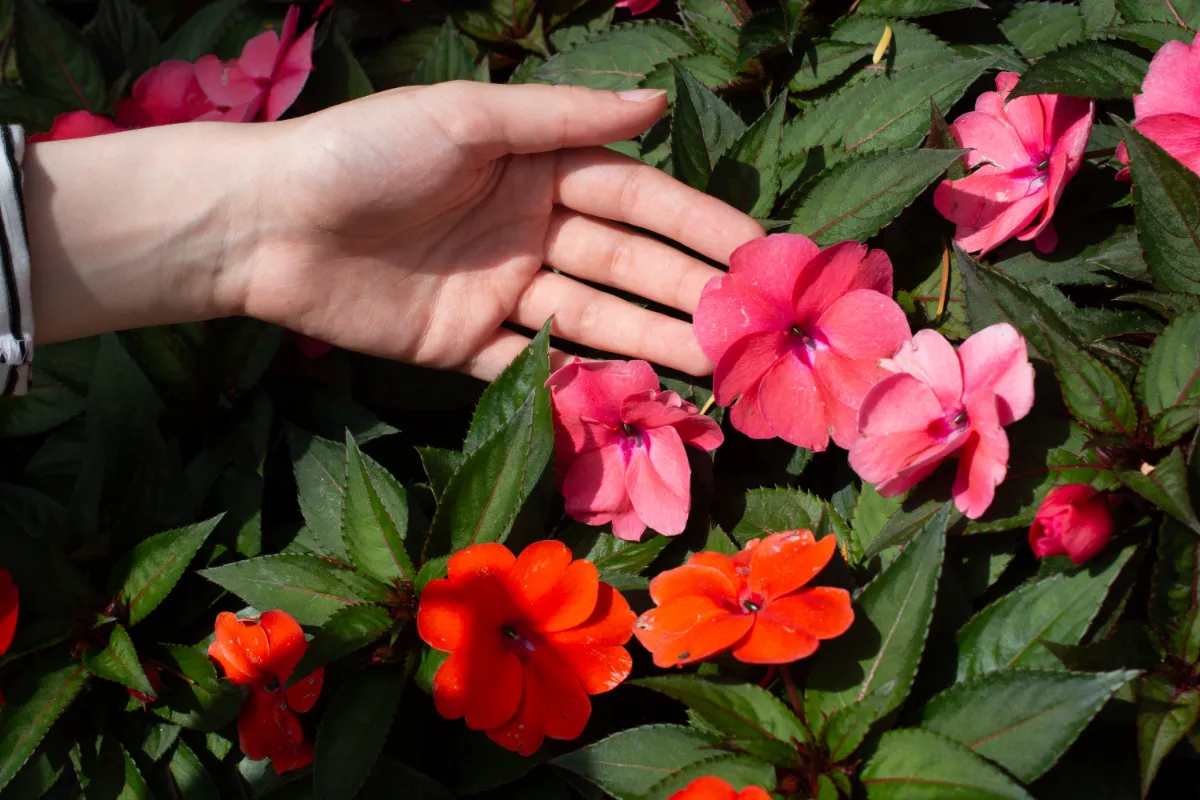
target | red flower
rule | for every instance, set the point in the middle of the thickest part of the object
(797, 333)
(752, 603)
(638, 6)
(619, 444)
(261, 654)
(1073, 521)
(710, 788)
(76, 125)
(152, 675)
(529, 639)
(165, 95)
(9, 602)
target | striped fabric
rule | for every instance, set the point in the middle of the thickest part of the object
(16, 307)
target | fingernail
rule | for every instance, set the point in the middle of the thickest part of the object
(641, 95)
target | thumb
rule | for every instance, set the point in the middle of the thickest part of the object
(496, 120)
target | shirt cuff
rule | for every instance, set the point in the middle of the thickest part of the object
(16, 306)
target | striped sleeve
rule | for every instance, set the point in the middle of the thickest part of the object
(16, 307)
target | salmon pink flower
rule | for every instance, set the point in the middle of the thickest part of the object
(529, 638)
(1168, 109)
(76, 125)
(619, 445)
(637, 6)
(1026, 149)
(267, 77)
(262, 654)
(1074, 521)
(711, 788)
(797, 332)
(9, 605)
(756, 604)
(940, 403)
(164, 95)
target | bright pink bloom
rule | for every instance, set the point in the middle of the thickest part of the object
(1168, 109)
(637, 6)
(1026, 150)
(266, 78)
(798, 333)
(1074, 521)
(326, 5)
(76, 125)
(164, 95)
(619, 446)
(940, 403)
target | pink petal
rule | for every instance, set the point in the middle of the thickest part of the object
(626, 524)
(729, 311)
(991, 140)
(290, 76)
(836, 271)
(1061, 168)
(984, 459)
(75, 125)
(595, 485)
(655, 409)
(988, 208)
(842, 419)
(850, 365)
(895, 421)
(1047, 240)
(771, 266)
(745, 363)
(596, 390)
(1068, 123)
(791, 404)
(224, 83)
(747, 417)
(658, 481)
(1025, 115)
(921, 468)
(995, 360)
(1172, 85)
(700, 431)
(259, 55)
(1178, 134)
(291, 23)
(931, 359)
(164, 95)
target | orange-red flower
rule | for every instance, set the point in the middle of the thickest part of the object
(710, 788)
(753, 603)
(529, 638)
(262, 654)
(9, 601)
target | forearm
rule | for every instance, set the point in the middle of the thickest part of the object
(140, 228)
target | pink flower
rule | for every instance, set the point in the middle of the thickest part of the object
(266, 78)
(637, 6)
(76, 125)
(1026, 150)
(619, 446)
(1168, 109)
(164, 95)
(798, 333)
(940, 403)
(1073, 521)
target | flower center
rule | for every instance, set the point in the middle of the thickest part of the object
(806, 344)
(629, 430)
(273, 686)
(751, 602)
(516, 641)
(948, 425)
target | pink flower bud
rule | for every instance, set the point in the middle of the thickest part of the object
(1073, 521)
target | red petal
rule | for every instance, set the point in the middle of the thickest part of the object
(254, 725)
(783, 562)
(241, 647)
(566, 707)
(287, 643)
(790, 402)
(570, 602)
(707, 788)
(772, 641)
(611, 622)
(490, 559)
(692, 580)
(706, 631)
(538, 569)
(823, 611)
(599, 668)
(836, 271)
(444, 617)
(9, 602)
(302, 696)
(722, 563)
(526, 731)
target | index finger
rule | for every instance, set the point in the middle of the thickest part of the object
(606, 184)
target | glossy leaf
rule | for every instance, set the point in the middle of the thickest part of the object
(773, 510)
(375, 519)
(738, 770)
(193, 696)
(747, 175)
(354, 730)
(307, 587)
(1172, 373)
(1089, 69)
(704, 128)
(1166, 485)
(1093, 392)
(913, 8)
(619, 57)
(449, 59)
(916, 763)
(320, 469)
(55, 60)
(1165, 714)
(1036, 29)
(146, 575)
(191, 779)
(505, 396)
(199, 35)
(118, 661)
(32, 705)
(125, 39)
(627, 764)
(821, 62)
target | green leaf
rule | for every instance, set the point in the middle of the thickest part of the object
(736, 769)
(821, 62)
(1058, 609)
(1165, 714)
(450, 59)
(353, 731)
(860, 196)
(1093, 392)
(1172, 373)
(1166, 486)
(845, 729)
(743, 712)
(1089, 69)
(55, 60)
(320, 469)
(885, 111)
(703, 129)
(916, 763)
(118, 661)
(194, 697)
(1167, 207)
(1023, 720)
(1179, 12)
(375, 519)
(393, 63)
(912, 45)
(747, 175)
(764, 31)
(148, 573)
(627, 764)
(904, 525)
(191, 779)
(1176, 572)
(31, 706)
(882, 650)
(337, 75)
(44, 407)
(347, 630)
(1151, 35)
(1172, 424)
(307, 587)
(619, 57)
(1098, 14)
(199, 35)
(610, 554)
(505, 396)
(913, 8)
(773, 510)
(125, 40)
(1037, 28)
(440, 465)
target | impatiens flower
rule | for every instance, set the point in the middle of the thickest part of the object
(1026, 149)
(637, 6)
(262, 654)
(267, 77)
(1073, 521)
(76, 125)
(711, 788)
(797, 332)
(619, 444)
(756, 604)
(941, 403)
(9, 603)
(529, 638)
(164, 95)
(1168, 109)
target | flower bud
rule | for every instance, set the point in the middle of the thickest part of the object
(1073, 521)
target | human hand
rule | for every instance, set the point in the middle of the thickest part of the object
(413, 224)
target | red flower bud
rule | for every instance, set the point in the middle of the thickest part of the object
(1073, 521)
